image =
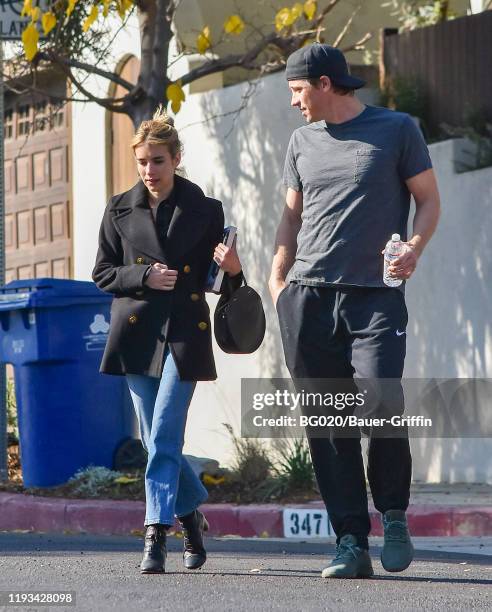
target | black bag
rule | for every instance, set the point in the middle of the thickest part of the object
(239, 321)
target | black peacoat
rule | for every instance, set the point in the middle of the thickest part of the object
(144, 320)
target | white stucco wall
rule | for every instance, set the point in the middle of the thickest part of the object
(89, 160)
(450, 306)
(449, 298)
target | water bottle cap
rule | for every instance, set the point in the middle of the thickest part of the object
(395, 238)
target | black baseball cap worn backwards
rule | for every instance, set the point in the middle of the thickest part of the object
(316, 60)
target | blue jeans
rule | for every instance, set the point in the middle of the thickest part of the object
(171, 486)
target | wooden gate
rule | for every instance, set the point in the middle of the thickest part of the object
(37, 189)
(452, 61)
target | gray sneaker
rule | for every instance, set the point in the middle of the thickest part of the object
(397, 553)
(350, 561)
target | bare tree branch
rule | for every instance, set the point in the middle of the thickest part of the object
(245, 98)
(245, 60)
(104, 51)
(358, 45)
(222, 63)
(248, 60)
(72, 63)
(107, 103)
(346, 27)
(326, 10)
(320, 18)
(22, 90)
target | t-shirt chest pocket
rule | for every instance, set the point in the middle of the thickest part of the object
(372, 166)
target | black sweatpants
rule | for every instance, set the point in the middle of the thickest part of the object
(350, 332)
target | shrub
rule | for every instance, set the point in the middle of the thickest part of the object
(293, 466)
(89, 481)
(251, 465)
(407, 95)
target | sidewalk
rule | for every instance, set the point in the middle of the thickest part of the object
(435, 510)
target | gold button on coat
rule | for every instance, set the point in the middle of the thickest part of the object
(132, 319)
(195, 297)
(139, 260)
(186, 269)
(202, 325)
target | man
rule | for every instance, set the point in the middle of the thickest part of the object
(349, 175)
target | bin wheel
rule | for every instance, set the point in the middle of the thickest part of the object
(130, 455)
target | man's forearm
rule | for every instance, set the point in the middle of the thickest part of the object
(285, 249)
(424, 224)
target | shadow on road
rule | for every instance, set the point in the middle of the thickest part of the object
(40, 544)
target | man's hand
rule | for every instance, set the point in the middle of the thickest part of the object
(161, 277)
(276, 289)
(227, 258)
(404, 266)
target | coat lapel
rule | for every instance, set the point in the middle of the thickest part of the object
(133, 219)
(190, 219)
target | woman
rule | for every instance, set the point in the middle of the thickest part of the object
(156, 244)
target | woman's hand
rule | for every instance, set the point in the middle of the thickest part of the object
(227, 258)
(161, 277)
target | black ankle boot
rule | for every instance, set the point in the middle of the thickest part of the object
(193, 526)
(155, 551)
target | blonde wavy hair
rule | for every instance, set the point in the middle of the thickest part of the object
(159, 130)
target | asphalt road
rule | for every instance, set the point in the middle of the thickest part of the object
(239, 575)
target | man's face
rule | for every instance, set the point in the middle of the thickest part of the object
(310, 100)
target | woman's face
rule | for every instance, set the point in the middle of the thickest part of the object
(156, 167)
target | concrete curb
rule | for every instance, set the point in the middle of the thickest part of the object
(48, 514)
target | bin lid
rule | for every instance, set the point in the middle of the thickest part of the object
(42, 292)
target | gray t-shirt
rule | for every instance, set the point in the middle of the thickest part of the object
(352, 177)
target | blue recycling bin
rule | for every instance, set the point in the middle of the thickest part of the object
(70, 416)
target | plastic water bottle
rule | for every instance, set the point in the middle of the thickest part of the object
(394, 248)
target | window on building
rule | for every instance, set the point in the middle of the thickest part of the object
(41, 119)
(58, 116)
(23, 119)
(8, 123)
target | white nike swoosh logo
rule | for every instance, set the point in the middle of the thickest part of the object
(399, 333)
